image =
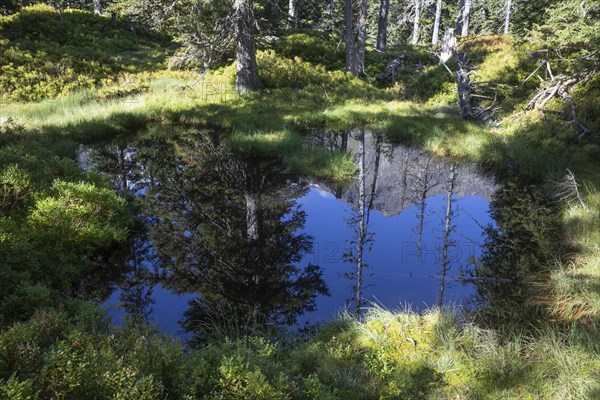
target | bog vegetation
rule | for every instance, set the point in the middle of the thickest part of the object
(70, 76)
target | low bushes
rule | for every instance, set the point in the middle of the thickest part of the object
(43, 57)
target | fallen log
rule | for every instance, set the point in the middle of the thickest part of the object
(389, 72)
(559, 89)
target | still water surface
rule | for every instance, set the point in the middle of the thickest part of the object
(241, 234)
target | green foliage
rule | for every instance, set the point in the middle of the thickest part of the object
(315, 48)
(54, 225)
(278, 72)
(15, 190)
(17, 390)
(77, 368)
(81, 214)
(44, 57)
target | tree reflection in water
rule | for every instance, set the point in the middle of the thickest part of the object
(526, 238)
(225, 226)
(228, 227)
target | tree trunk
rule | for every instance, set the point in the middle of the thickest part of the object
(382, 25)
(25, 3)
(362, 36)
(330, 14)
(97, 7)
(463, 86)
(507, 20)
(465, 18)
(350, 50)
(459, 18)
(361, 223)
(113, 19)
(436, 24)
(416, 25)
(447, 231)
(292, 13)
(448, 46)
(246, 78)
(252, 209)
(389, 72)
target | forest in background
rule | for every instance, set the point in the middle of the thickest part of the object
(526, 74)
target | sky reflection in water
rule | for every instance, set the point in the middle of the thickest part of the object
(414, 207)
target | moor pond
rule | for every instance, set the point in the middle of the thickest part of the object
(225, 234)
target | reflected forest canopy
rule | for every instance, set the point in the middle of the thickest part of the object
(223, 226)
(226, 229)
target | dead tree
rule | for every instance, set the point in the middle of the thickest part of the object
(389, 72)
(361, 40)
(558, 87)
(568, 191)
(416, 23)
(466, 16)
(292, 13)
(463, 85)
(436, 24)
(507, 16)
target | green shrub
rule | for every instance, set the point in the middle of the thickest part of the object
(16, 192)
(22, 345)
(15, 389)
(315, 48)
(81, 214)
(279, 72)
(80, 367)
(43, 57)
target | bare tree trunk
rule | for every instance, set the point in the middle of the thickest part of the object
(463, 86)
(459, 18)
(416, 25)
(330, 14)
(292, 13)
(447, 230)
(252, 207)
(507, 20)
(448, 46)
(361, 223)
(463, 82)
(362, 36)
(246, 78)
(97, 7)
(382, 25)
(113, 19)
(423, 191)
(350, 50)
(436, 24)
(465, 17)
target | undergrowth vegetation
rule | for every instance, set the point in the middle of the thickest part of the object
(59, 225)
(59, 56)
